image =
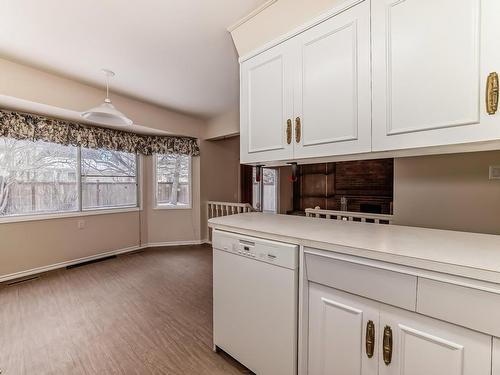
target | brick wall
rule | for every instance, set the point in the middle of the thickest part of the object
(367, 185)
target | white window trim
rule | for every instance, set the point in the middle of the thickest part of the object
(81, 212)
(157, 206)
(69, 214)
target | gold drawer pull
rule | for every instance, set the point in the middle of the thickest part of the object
(492, 93)
(288, 131)
(387, 345)
(370, 339)
(297, 130)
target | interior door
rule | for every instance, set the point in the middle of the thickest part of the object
(422, 345)
(266, 105)
(332, 97)
(431, 60)
(338, 325)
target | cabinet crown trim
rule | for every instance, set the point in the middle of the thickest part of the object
(298, 30)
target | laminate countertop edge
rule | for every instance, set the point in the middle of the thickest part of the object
(481, 264)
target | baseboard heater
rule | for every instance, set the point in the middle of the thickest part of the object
(90, 262)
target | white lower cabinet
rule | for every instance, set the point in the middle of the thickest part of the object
(404, 343)
(422, 345)
(338, 325)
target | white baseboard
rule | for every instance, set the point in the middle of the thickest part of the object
(175, 243)
(34, 271)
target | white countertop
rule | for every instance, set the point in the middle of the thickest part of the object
(465, 254)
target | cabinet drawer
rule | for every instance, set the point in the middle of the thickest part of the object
(390, 287)
(468, 307)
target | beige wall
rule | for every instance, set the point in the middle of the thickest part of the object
(225, 125)
(28, 83)
(276, 20)
(28, 245)
(448, 192)
(171, 225)
(220, 169)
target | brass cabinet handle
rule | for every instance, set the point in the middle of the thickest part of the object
(370, 338)
(492, 93)
(387, 345)
(297, 130)
(288, 131)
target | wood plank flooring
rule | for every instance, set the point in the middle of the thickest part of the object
(143, 313)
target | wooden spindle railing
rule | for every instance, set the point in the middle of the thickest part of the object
(218, 209)
(350, 216)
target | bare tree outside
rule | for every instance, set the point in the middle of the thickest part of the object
(37, 177)
(42, 177)
(173, 174)
(108, 178)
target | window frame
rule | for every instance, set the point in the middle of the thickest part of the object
(157, 206)
(261, 190)
(107, 208)
(80, 212)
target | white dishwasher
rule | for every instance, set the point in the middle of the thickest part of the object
(255, 302)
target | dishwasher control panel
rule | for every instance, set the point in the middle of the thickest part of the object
(274, 252)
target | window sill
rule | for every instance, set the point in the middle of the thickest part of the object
(166, 207)
(41, 217)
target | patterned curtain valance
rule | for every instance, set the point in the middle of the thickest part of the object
(25, 126)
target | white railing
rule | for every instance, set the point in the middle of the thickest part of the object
(218, 209)
(349, 216)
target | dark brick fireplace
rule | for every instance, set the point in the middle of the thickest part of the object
(359, 186)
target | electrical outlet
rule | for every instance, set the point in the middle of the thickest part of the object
(81, 224)
(494, 172)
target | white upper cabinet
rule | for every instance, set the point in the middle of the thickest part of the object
(332, 95)
(266, 105)
(431, 61)
(310, 95)
(375, 75)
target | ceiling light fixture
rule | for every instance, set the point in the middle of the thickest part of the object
(106, 113)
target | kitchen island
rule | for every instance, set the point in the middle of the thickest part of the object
(387, 299)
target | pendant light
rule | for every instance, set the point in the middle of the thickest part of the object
(106, 113)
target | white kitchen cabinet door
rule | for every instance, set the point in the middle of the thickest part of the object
(337, 333)
(332, 95)
(421, 345)
(496, 356)
(266, 105)
(431, 60)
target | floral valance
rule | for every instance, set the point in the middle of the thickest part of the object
(25, 126)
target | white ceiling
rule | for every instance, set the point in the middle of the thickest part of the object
(175, 53)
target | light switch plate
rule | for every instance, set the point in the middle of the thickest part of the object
(495, 172)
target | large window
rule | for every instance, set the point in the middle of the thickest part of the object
(172, 181)
(37, 177)
(108, 179)
(46, 178)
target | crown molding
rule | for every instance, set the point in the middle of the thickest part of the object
(250, 15)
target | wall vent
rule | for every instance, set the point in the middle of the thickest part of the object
(90, 262)
(21, 281)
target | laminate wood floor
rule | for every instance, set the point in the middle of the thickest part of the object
(143, 313)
